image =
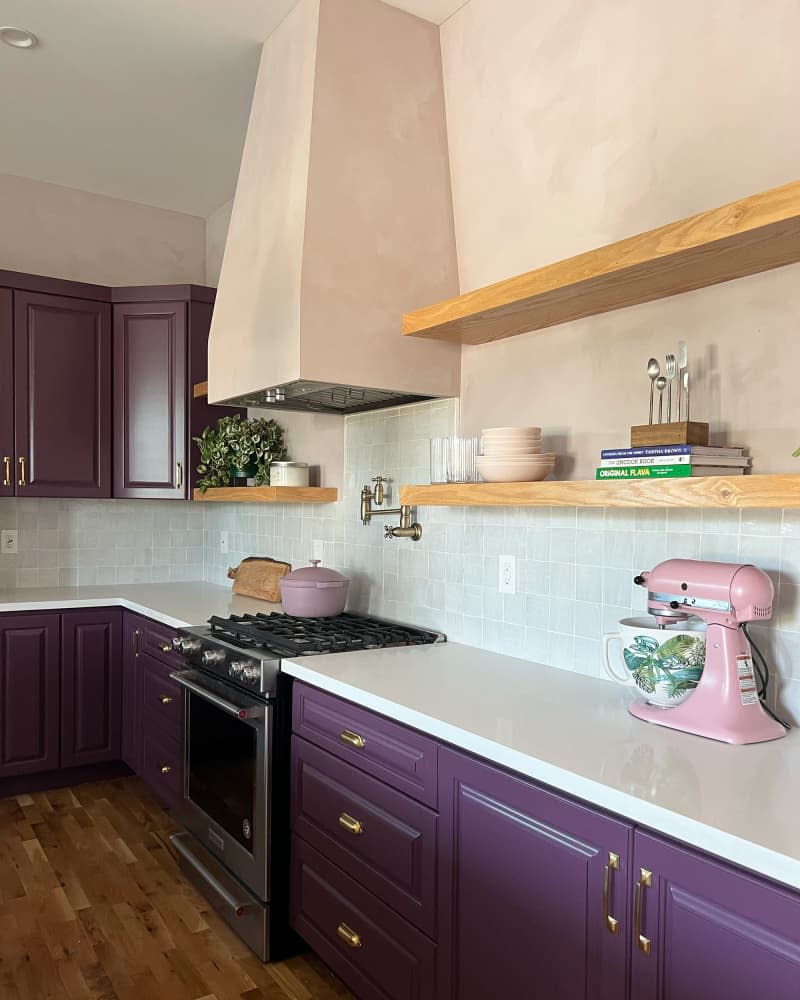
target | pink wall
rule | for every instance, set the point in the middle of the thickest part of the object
(573, 125)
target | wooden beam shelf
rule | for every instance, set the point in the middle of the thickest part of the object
(269, 494)
(700, 491)
(200, 389)
(747, 236)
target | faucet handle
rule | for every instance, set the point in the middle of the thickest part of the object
(379, 490)
(388, 531)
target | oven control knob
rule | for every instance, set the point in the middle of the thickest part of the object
(186, 646)
(212, 656)
(236, 669)
(251, 674)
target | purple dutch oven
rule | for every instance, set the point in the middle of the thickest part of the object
(313, 592)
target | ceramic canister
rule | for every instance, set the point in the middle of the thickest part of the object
(664, 663)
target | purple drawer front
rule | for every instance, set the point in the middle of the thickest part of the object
(162, 766)
(379, 836)
(162, 700)
(401, 757)
(377, 954)
(157, 641)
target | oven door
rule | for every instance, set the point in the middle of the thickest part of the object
(227, 775)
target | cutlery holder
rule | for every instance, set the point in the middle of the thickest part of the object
(686, 432)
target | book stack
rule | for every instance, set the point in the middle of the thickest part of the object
(671, 461)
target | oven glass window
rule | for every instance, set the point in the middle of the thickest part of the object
(222, 769)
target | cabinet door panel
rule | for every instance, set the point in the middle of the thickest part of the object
(150, 400)
(715, 933)
(521, 904)
(62, 396)
(6, 395)
(29, 685)
(132, 629)
(91, 687)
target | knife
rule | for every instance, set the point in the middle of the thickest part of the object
(683, 378)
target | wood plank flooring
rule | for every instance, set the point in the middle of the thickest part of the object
(93, 905)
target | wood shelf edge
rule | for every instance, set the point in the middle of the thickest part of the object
(199, 390)
(781, 490)
(269, 494)
(744, 237)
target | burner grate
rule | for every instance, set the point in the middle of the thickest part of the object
(289, 636)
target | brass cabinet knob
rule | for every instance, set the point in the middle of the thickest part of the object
(349, 936)
(166, 699)
(350, 824)
(165, 769)
(347, 736)
(166, 647)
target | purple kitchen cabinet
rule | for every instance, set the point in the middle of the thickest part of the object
(6, 394)
(708, 931)
(62, 396)
(132, 634)
(29, 682)
(150, 400)
(522, 908)
(91, 686)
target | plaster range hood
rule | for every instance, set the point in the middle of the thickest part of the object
(342, 219)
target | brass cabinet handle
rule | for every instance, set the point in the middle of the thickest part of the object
(136, 633)
(7, 476)
(353, 739)
(178, 475)
(22, 481)
(351, 825)
(612, 924)
(165, 769)
(166, 647)
(166, 699)
(645, 882)
(348, 935)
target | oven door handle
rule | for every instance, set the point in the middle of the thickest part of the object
(252, 710)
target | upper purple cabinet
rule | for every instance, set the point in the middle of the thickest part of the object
(6, 394)
(62, 396)
(706, 931)
(150, 400)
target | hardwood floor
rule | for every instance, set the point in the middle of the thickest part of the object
(93, 905)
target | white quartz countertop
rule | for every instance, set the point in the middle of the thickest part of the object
(175, 604)
(575, 734)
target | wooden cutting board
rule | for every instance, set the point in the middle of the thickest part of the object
(259, 576)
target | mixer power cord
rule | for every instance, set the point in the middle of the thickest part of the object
(762, 670)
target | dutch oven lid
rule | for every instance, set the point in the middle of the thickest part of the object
(314, 577)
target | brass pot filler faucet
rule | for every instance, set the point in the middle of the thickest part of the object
(406, 529)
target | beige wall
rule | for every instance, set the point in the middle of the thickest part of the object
(58, 231)
(574, 125)
(216, 233)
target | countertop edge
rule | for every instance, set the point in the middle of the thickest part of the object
(728, 847)
(96, 602)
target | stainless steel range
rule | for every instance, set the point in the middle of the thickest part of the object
(237, 706)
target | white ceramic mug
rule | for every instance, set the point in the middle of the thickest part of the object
(665, 664)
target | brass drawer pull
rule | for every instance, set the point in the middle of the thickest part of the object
(178, 475)
(165, 769)
(7, 476)
(351, 825)
(353, 739)
(22, 481)
(611, 923)
(645, 882)
(165, 699)
(348, 935)
(166, 647)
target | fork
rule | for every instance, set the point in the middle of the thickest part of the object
(670, 371)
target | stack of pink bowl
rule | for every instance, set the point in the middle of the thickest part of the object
(513, 455)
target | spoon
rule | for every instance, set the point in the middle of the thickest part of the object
(653, 371)
(661, 385)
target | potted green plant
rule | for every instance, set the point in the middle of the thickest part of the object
(238, 449)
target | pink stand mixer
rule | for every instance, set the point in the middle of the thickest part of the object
(725, 705)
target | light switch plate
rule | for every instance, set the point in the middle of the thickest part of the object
(507, 575)
(9, 543)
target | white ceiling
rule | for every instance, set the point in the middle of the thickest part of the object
(145, 100)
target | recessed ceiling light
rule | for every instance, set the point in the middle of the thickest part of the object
(19, 38)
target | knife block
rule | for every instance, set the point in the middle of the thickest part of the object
(652, 435)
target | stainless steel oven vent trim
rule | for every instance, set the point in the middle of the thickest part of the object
(324, 397)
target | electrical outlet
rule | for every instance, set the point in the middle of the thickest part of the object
(9, 543)
(223, 541)
(318, 549)
(507, 576)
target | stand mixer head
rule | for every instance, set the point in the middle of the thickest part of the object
(725, 705)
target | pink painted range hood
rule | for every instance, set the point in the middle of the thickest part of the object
(342, 218)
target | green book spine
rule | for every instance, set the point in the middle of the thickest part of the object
(645, 472)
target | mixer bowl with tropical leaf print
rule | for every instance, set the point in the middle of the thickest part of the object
(665, 664)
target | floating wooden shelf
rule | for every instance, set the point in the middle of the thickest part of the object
(200, 389)
(705, 491)
(269, 494)
(747, 236)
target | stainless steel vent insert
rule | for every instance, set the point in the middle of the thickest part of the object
(324, 397)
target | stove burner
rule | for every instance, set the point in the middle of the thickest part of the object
(289, 636)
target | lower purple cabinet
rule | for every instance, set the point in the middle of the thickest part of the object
(91, 686)
(29, 682)
(523, 906)
(706, 931)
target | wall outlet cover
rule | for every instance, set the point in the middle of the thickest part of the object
(9, 542)
(507, 575)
